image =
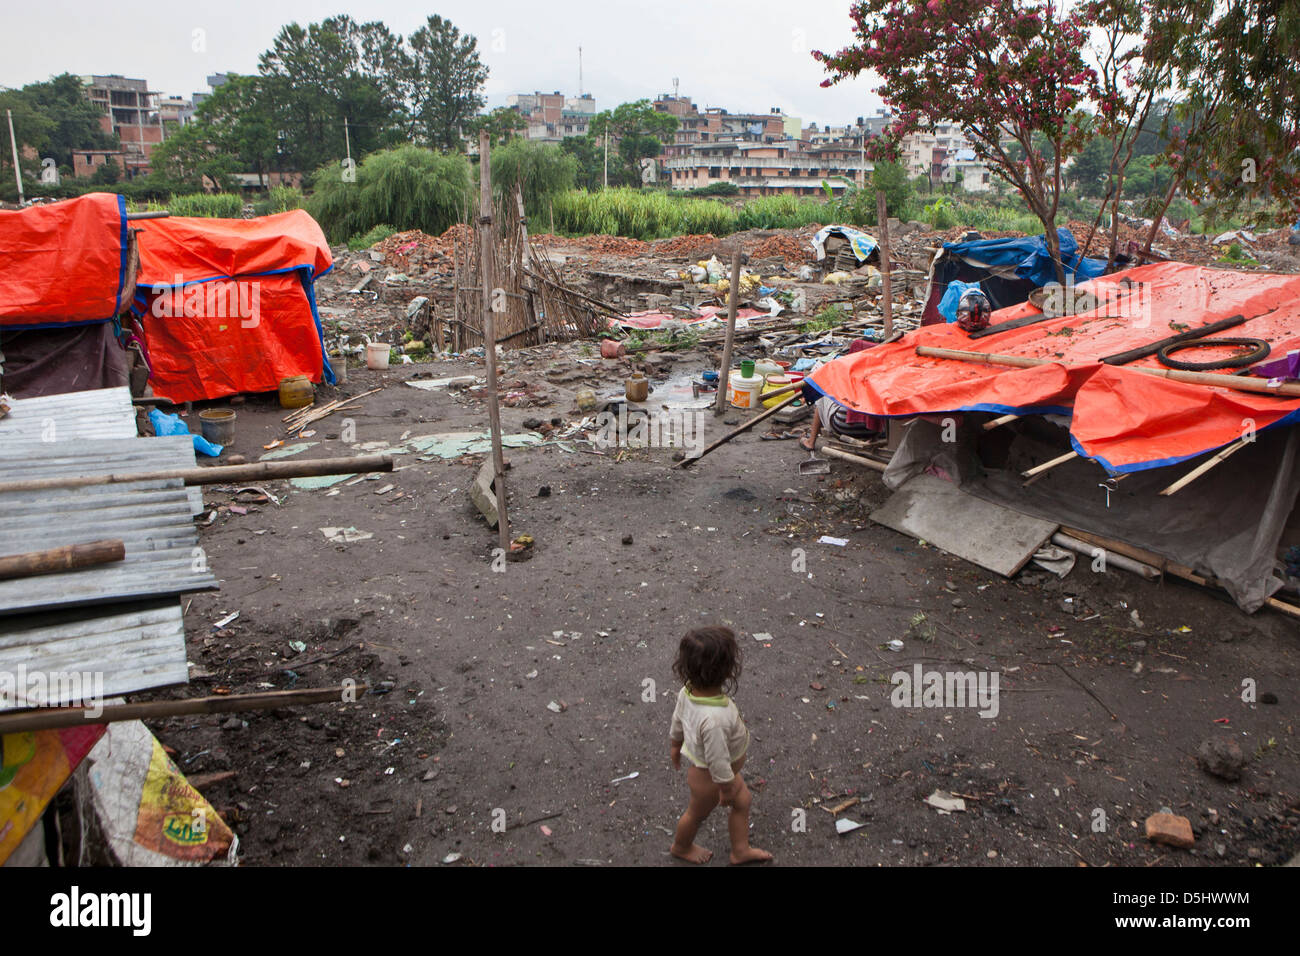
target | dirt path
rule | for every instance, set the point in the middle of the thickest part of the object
(475, 664)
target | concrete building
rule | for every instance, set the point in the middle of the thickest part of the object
(553, 117)
(131, 112)
(757, 168)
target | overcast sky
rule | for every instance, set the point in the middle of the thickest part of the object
(743, 56)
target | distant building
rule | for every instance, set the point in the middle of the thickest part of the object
(131, 112)
(553, 117)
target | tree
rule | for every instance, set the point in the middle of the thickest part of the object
(315, 79)
(542, 171)
(636, 132)
(55, 118)
(501, 125)
(233, 131)
(446, 81)
(588, 153)
(1006, 70)
(408, 188)
(891, 179)
(1234, 132)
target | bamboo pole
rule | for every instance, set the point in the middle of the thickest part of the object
(53, 718)
(1205, 466)
(740, 429)
(1048, 465)
(488, 262)
(1239, 383)
(216, 475)
(999, 422)
(66, 558)
(856, 459)
(724, 376)
(1163, 564)
(886, 292)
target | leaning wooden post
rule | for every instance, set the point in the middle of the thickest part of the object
(886, 293)
(488, 259)
(724, 375)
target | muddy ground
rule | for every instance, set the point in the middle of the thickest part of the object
(519, 696)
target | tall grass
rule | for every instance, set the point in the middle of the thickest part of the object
(207, 205)
(781, 212)
(639, 215)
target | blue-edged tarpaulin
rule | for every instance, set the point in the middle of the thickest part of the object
(862, 244)
(229, 306)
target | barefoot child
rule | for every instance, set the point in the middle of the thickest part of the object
(708, 729)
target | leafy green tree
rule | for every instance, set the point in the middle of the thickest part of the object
(409, 187)
(636, 131)
(501, 125)
(446, 81)
(891, 179)
(542, 171)
(315, 79)
(588, 153)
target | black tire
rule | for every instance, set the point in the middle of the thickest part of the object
(1259, 350)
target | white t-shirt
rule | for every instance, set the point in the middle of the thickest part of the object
(711, 733)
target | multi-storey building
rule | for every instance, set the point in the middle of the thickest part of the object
(553, 116)
(131, 112)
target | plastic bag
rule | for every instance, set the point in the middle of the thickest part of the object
(164, 424)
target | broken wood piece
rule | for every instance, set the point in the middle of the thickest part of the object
(855, 459)
(740, 429)
(1118, 560)
(66, 558)
(1205, 466)
(999, 422)
(53, 718)
(1046, 466)
(733, 300)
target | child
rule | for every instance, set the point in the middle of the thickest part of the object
(708, 729)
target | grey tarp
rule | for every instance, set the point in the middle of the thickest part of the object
(1225, 525)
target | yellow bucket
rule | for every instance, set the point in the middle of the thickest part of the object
(772, 384)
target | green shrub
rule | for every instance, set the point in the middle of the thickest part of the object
(408, 188)
(284, 198)
(542, 171)
(375, 235)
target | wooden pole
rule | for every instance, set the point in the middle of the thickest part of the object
(886, 290)
(216, 475)
(1049, 465)
(1240, 383)
(856, 459)
(488, 262)
(1205, 466)
(739, 429)
(999, 422)
(52, 718)
(66, 558)
(724, 375)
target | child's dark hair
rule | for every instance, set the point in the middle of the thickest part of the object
(708, 657)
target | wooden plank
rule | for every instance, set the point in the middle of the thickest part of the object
(987, 534)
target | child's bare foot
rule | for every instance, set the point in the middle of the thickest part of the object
(807, 444)
(751, 854)
(692, 854)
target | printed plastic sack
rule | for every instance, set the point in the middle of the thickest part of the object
(145, 810)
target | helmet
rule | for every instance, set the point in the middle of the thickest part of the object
(973, 311)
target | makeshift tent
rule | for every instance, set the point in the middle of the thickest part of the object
(228, 305)
(64, 278)
(1127, 422)
(1007, 270)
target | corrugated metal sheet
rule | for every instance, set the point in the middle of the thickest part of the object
(20, 461)
(151, 517)
(72, 417)
(84, 655)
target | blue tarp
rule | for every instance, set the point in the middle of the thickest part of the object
(1029, 256)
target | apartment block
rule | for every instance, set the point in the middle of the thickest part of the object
(130, 111)
(553, 117)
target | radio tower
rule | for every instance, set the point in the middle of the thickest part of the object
(579, 71)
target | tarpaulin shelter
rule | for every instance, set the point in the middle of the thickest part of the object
(1007, 270)
(228, 305)
(65, 276)
(1228, 524)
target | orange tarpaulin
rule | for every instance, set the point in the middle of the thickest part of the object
(64, 263)
(228, 306)
(1124, 419)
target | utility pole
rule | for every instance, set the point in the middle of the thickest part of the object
(606, 139)
(347, 140)
(18, 173)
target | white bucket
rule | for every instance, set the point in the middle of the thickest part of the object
(744, 392)
(377, 354)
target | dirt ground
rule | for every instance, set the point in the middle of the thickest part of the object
(519, 696)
